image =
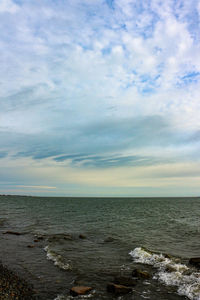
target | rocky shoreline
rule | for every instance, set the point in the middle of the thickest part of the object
(13, 287)
(129, 283)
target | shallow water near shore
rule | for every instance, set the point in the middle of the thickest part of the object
(70, 241)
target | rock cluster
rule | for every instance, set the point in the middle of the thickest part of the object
(123, 284)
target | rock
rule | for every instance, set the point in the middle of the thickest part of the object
(140, 274)
(59, 237)
(80, 290)
(40, 238)
(81, 236)
(170, 268)
(30, 246)
(109, 240)
(36, 241)
(195, 261)
(118, 289)
(68, 237)
(127, 281)
(12, 232)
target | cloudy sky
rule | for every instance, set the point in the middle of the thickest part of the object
(100, 97)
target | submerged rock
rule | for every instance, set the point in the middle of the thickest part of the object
(195, 261)
(59, 237)
(82, 236)
(30, 246)
(140, 274)
(12, 232)
(80, 290)
(109, 240)
(127, 281)
(118, 289)
(40, 237)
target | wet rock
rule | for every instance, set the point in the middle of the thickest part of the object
(140, 274)
(59, 237)
(195, 261)
(30, 246)
(67, 237)
(40, 238)
(109, 240)
(118, 289)
(127, 281)
(82, 236)
(170, 268)
(36, 241)
(12, 232)
(174, 259)
(80, 290)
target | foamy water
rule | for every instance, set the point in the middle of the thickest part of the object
(57, 259)
(69, 297)
(171, 272)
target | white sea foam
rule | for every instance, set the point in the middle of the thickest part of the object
(171, 272)
(69, 297)
(60, 297)
(57, 259)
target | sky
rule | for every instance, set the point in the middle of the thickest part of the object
(100, 97)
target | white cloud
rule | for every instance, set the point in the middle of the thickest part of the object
(7, 6)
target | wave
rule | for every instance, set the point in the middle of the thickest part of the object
(171, 272)
(57, 259)
(69, 297)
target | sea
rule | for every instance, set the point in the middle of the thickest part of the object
(57, 243)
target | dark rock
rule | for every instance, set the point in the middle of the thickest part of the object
(40, 238)
(67, 237)
(118, 289)
(140, 274)
(80, 290)
(109, 240)
(127, 281)
(30, 246)
(82, 236)
(59, 237)
(11, 232)
(195, 261)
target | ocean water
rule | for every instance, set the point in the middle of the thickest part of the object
(88, 241)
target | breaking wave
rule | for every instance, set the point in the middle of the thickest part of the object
(171, 272)
(69, 297)
(57, 259)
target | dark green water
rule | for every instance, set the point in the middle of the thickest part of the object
(112, 227)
